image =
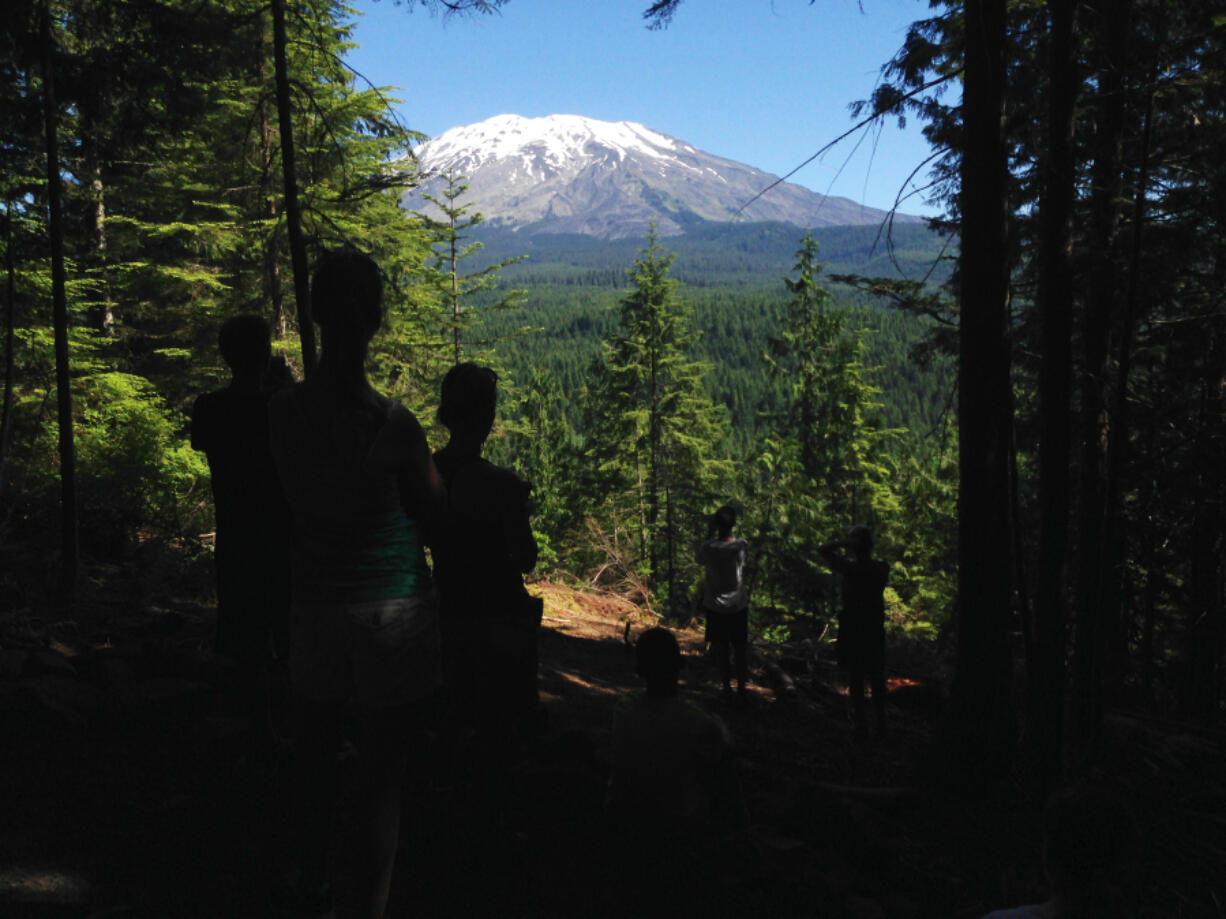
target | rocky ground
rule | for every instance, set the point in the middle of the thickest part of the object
(129, 789)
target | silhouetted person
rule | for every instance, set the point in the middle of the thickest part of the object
(490, 622)
(364, 618)
(483, 549)
(861, 647)
(671, 774)
(725, 599)
(250, 551)
(1089, 839)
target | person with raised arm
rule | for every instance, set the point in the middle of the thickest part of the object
(861, 646)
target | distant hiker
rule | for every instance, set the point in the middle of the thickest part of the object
(364, 619)
(672, 771)
(1089, 840)
(725, 599)
(250, 549)
(861, 641)
(485, 547)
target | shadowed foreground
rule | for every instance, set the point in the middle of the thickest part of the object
(131, 792)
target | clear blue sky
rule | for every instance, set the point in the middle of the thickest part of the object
(764, 82)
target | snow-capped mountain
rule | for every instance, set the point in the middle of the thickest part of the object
(569, 174)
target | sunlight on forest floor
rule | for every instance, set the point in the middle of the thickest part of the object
(589, 685)
(20, 884)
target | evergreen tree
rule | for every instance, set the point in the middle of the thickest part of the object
(830, 415)
(824, 465)
(172, 222)
(653, 436)
(459, 293)
(541, 446)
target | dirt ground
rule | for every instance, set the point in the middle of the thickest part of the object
(130, 790)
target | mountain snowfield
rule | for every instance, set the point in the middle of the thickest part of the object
(570, 174)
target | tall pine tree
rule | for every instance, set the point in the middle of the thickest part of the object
(654, 436)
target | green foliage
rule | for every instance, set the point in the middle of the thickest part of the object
(653, 437)
(826, 462)
(623, 411)
(734, 322)
(459, 294)
(777, 634)
(543, 450)
(138, 475)
(175, 223)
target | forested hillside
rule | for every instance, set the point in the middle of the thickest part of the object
(176, 218)
(732, 278)
(1028, 410)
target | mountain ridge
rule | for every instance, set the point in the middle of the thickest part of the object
(570, 174)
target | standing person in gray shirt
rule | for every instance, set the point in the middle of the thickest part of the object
(725, 599)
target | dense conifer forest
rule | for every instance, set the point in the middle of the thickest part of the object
(1025, 401)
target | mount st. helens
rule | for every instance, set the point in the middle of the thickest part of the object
(569, 174)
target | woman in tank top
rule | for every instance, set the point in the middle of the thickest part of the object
(361, 485)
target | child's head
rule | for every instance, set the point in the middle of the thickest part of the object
(468, 398)
(724, 520)
(347, 295)
(1089, 838)
(245, 344)
(658, 661)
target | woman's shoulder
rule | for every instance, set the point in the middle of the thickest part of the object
(398, 417)
(499, 482)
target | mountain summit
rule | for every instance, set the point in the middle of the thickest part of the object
(569, 174)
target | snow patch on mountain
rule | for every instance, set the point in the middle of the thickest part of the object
(554, 138)
(571, 174)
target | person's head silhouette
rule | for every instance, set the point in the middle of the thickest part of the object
(347, 299)
(657, 659)
(466, 403)
(246, 345)
(723, 520)
(860, 541)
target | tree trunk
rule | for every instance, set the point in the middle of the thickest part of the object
(1207, 632)
(979, 732)
(96, 28)
(293, 218)
(63, 381)
(653, 470)
(1092, 626)
(1045, 673)
(274, 289)
(1115, 556)
(10, 322)
(670, 549)
(1206, 589)
(104, 313)
(454, 263)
